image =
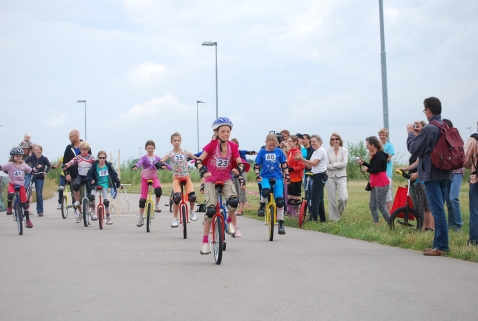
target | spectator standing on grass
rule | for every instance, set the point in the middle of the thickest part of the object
(437, 182)
(42, 165)
(283, 143)
(296, 171)
(337, 172)
(301, 145)
(309, 149)
(241, 192)
(455, 221)
(471, 162)
(390, 151)
(379, 181)
(318, 166)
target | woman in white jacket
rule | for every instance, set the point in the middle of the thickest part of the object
(337, 182)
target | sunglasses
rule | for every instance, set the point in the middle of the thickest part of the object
(102, 157)
(335, 139)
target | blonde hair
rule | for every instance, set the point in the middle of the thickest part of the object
(176, 134)
(383, 131)
(101, 152)
(272, 138)
(27, 135)
(84, 145)
(341, 142)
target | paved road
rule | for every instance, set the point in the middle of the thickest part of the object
(60, 270)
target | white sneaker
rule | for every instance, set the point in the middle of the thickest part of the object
(140, 221)
(237, 234)
(93, 216)
(175, 222)
(79, 217)
(157, 208)
(77, 204)
(231, 228)
(205, 249)
(108, 220)
(58, 207)
(192, 215)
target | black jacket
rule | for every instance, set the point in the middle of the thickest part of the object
(43, 161)
(378, 163)
(68, 156)
(114, 181)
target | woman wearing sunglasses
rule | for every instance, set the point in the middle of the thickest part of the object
(101, 173)
(337, 182)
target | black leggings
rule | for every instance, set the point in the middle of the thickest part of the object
(317, 209)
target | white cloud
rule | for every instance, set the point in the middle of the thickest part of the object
(145, 73)
(56, 121)
(167, 105)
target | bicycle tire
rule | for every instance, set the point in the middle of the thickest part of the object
(100, 216)
(217, 241)
(85, 208)
(19, 218)
(302, 213)
(182, 212)
(148, 217)
(409, 223)
(271, 222)
(64, 208)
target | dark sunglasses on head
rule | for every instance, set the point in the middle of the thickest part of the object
(102, 157)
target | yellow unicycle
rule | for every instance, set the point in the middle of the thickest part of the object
(270, 217)
(148, 215)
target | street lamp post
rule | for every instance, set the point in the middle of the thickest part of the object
(83, 101)
(197, 109)
(213, 43)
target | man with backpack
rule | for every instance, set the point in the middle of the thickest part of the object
(471, 162)
(437, 181)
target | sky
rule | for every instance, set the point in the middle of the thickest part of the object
(306, 66)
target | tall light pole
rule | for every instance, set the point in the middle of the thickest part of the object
(83, 101)
(212, 43)
(384, 69)
(197, 109)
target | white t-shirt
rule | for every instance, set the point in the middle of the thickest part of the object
(321, 155)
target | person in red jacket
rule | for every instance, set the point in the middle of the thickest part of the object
(296, 171)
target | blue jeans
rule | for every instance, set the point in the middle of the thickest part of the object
(473, 195)
(39, 192)
(28, 177)
(436, 194)
(453, 203)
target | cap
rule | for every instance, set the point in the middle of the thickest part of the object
(25, 145)
(299, 135)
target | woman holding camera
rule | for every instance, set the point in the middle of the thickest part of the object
(337, 182)
(378, 178)
(318, 165)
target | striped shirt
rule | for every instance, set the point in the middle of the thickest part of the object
(84, 163)
(471, 153)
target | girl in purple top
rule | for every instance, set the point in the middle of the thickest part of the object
(150, 163)
(16, 169)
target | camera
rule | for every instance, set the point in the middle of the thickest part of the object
(278, 135)
(415, 126)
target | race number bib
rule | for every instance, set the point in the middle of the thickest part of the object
(103, 173)
(222, 163)
(271, 157)
(152, 160)
(179, 158)
(80, 170)
(18, 173)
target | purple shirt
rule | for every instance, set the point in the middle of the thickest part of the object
(16, 173)
(149, 171)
